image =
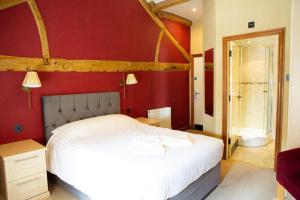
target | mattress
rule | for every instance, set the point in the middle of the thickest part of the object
(95, 156)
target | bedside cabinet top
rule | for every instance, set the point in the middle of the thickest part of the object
(148, 120)
(15, 148)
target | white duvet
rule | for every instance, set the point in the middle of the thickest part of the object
(96, 156)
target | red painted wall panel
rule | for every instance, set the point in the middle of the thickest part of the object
(18, 32)
(209, 82)
(180, 31)
(209, 56)
(91, 29)
(161, 89)
(155, 89)
(83, 30)
(168, 52)
(14, 102)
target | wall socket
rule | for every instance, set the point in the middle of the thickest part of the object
(251, 24)
(18, 128)
(287, 77)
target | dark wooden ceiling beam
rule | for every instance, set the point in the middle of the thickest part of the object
(166, 4)
(174, 17)
(167, 33)
(9, 3)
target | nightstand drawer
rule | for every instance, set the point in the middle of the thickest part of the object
(27, 188)
(24, 165)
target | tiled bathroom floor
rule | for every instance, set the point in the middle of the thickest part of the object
(259, 156)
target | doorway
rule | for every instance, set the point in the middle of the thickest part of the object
(253, 93)
(197, 94)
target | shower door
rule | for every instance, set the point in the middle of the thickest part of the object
(251, 71)
(236, 96)
(253, 88)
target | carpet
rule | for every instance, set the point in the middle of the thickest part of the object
(243, 181)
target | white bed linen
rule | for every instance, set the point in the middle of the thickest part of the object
(94, 156)
(148, 143)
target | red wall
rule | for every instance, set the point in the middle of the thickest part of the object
(168, 52)
(18, 33)
(83, 30)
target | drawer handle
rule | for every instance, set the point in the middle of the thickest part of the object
(29, 181)
(29, 158)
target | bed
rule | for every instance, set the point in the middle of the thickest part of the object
(92, 147)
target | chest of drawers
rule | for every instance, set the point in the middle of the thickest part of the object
(23, 172)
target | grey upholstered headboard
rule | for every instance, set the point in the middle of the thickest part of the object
(62, 109)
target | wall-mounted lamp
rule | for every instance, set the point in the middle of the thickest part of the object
(30, 81)
(130, 80)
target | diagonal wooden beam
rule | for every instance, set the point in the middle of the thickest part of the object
(166, 4)
(162, 26)
(43, 34)
(38, 20)
(9, 3)
(161, 34)
(174, 17)
(42, 30)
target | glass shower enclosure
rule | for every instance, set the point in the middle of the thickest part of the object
(252, 92)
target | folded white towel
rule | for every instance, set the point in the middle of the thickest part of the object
(176, 140)
(159, 143)
(147, 144)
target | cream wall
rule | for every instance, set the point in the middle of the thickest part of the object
(197, 37)
(294, 125)
(209, 24)
(231, 18)
(196, 48)
(209, 41)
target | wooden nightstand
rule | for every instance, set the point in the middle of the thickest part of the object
(23, 173)
(153, 122)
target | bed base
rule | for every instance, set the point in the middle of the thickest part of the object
(202, 187)
(197, 190)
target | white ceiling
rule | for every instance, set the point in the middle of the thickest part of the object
(186, 9)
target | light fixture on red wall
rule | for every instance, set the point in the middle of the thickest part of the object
(30, 81)
(130, 80)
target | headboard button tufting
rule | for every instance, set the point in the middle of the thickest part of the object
(62, 109)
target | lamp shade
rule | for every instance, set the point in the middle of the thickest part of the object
(31, 80)
(131, 79)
